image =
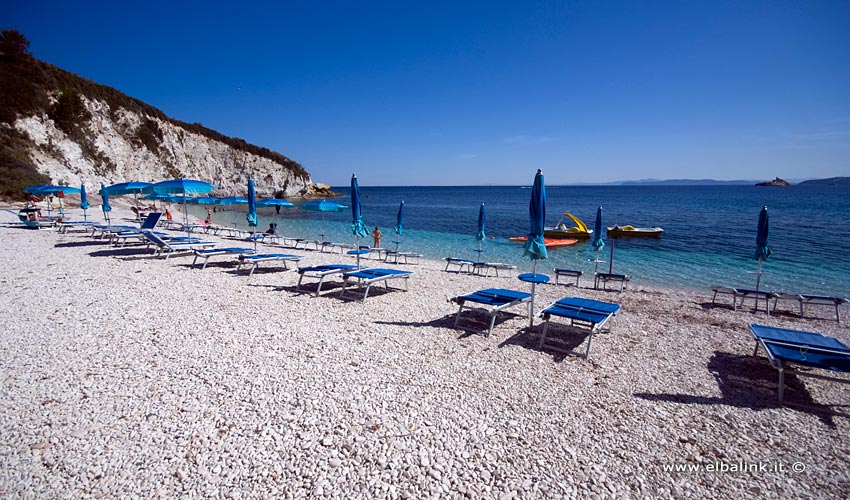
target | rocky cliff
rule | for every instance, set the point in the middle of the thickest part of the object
(118, 155)
(60, 128)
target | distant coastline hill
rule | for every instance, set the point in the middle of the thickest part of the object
(832, 181)
(683, 182)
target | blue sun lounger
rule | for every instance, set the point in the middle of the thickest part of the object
(256, 259)
(207, 253)
(493, 301)
(365, 278)
(785, 347)
(592, 314)
(167, 247)
(321, 272)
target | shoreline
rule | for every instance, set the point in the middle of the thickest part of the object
(126, 375)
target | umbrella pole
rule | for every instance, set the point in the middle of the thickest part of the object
(531, 304)
(611, 258)
(357, 249)
(596, 262)
(479, 251)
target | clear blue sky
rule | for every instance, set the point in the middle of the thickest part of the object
(433, 92)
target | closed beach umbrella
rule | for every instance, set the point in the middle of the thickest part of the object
(762, 251)
(253, 221)
(182, 187)
(482, 222)
(399, 224)
(84, 201)
(133, 188)
(535, 245)
(357, 225)
(105, 197)
(597, 241)
(323, 206)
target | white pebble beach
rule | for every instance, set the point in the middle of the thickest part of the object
(129, 376)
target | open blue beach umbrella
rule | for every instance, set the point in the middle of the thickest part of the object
(482, 223)
(597, 241)
(133, 188)
(762, 251)
(535, 245)
(43, 190)
(275, 202)
(84, 201)
(206, 200)
(323, 206)
(357, 225)
(183, 187)
(399, 224)
(232, 200)
(105, 197)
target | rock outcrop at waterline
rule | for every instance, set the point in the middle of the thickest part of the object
(775, 182)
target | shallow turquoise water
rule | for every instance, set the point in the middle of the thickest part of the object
(709, 231)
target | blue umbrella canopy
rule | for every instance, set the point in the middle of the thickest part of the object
(535, 246)
(482, 223)
(762, 251)
(127, 188)
(323, 206)
(597, 241)
(84, 199)
(252, 205)
(43, 189)
(181, 186)
(206, 200)
(399, 219)
(232, 200)
(275, 202)
(105, 197)
(357, 226)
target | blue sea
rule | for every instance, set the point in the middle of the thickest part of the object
(709, 231)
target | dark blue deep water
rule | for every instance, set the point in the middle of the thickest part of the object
(709, 231)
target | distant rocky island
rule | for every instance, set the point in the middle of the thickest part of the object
(775, 182)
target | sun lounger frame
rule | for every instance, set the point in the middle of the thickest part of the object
(591, 314)
(365, 278)
(460, 263)
(805, 300)
(321, 272)
(493, 300)
(206, 254)
(779, 344)
(605, 278)
(256, 260)
(166, 248)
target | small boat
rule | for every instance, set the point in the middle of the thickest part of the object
(560, 230)
(634, 232)
(550, 242)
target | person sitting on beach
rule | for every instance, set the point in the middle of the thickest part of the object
(272, 228)
(376, 238)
